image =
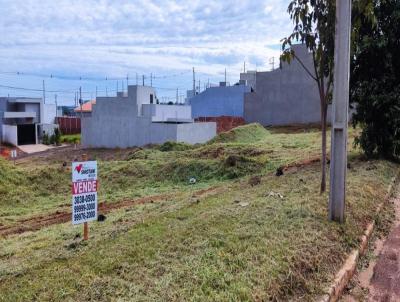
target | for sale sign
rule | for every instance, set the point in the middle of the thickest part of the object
(84, 191)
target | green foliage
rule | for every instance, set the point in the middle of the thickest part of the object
(250, 133)
(375, 81)
(174, 146)
(52, 139)
(315, 27)
(57, 136)
(46, 139)
(70, 138)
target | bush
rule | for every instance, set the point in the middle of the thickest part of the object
(57, 136)
(45, 139)
(52, 139)
(375, 82)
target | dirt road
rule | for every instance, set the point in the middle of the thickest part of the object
(380, 281)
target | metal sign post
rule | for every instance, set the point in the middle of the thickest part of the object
(338, 168)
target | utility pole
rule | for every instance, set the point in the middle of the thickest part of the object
(272, 62)
(55, 101)
(143, 80)
(244, 67)
(137, 79)
(96, 92)
(177, 95)
(127, 81)
(194, 82)
(338, 170)
(80, 100)
(225, 76)
(44, 94)
(151, 79)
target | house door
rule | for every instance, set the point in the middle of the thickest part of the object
(26, 134)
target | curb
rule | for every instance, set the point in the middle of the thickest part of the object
(344, 275)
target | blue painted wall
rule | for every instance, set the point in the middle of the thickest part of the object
(218, 101)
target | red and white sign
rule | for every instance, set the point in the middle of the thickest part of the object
(84, 191)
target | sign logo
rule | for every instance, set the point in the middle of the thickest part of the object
(79, 168)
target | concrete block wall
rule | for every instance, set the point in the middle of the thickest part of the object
(219, 101)
(285, 96)
(224, 123)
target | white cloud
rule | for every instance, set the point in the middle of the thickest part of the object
(160, 36)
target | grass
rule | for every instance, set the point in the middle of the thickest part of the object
(40, 185)
(240, 243)
(71, 138)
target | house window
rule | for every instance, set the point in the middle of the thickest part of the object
(151, 98)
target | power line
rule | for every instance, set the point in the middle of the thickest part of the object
(83, 78)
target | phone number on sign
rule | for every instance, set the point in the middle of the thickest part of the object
(84, 207)
(83, 216)
(84, 198)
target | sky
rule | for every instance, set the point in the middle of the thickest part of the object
(87, 43)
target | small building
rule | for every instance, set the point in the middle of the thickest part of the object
(85, 109)
(135, 119)
(284, 96)
(24, 120)
(218, 101)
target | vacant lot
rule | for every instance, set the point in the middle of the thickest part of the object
(240, 233)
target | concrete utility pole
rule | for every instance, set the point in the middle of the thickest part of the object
(194, 83)
(44, 94)
(55, 101)
(340, 109)
(225, 76)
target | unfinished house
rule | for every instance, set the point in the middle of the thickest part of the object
(24, 120)
(222, 104)
(136, 119)
(284, 96)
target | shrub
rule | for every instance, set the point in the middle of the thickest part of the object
(45, 139)
(57, 136)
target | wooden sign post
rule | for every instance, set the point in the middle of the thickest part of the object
(84, 193)
(85, 224)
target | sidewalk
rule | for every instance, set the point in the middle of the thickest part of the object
(381, 279)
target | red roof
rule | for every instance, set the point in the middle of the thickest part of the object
(86, 107)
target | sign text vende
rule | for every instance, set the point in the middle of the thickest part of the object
(82, 187)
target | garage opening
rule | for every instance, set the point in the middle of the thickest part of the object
(26, 134)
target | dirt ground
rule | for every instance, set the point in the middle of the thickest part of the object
(57, 217)
(380, 281)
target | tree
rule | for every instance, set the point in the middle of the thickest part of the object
(314, 25)
(375, 82)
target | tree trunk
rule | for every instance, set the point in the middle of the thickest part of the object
(324, 108)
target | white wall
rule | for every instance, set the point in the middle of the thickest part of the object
(49, 114)
(33, 107)
(10, 134)
(162, 113)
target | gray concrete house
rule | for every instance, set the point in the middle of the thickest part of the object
(135, 119)
(283, 96)
(218, 101)
(23, 120)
